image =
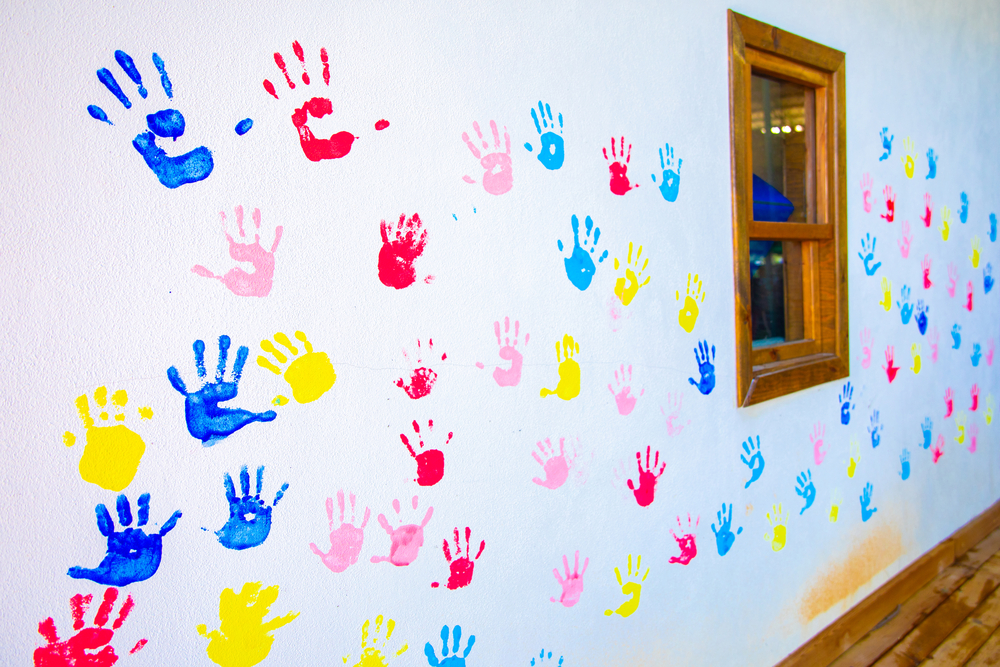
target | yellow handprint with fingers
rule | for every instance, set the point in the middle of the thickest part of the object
(915, 352)
(835, 503)
(907, 159)
(945, 222)
(627, 286)
(989, 409)
(778, 532)
(886, 301)
(310, 376)
(974, 257)
(852, 465)
(632, 588)
(569, 370)
(960, 425)
(372, 656)
(112, 453)
(243, 638)
(687, 316)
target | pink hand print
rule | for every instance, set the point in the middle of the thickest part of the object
(866, 191)
(509, 377)
(572, 585)
(406, 540)
(889, 369)
(81, 650)
(686, 542)
(555, 466)
(498, 176)
(904, 239)
(934, 337)
(346, 540)
(816, 438)
(623, 397)
(949, 402)
(430, 462)
(925, 265)
(866, 347)
(644, 494)
(422, 379)
(462, 567)
(973, 436)
(396, 257)
(928, 205)
(975, 397)
(968, 297)
(236, 280)
(938, 450)
(619, 168)
(952, 278)
(990, 349)
(673, 419)
(890, 204)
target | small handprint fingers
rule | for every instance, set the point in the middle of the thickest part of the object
(124, 510)
(104, 522)
(230, 489)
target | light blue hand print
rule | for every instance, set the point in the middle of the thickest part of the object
(931, 163)
(886, 143)
(904, 464)
(976, 354)
(543, 657)
(449, 661)
(905, 308)
(552, 151)
(580, 265)
(922, 311)
(755, 462)
(956, 336)
(705, 368)
(963, 211)
(993, 227)
(866, 501)
(724, 536)
(987, 278)
(249, 521)
(926, 429)
(806, 489)
(844, 398)
(867, 254)
(875, 430)
(671, 180)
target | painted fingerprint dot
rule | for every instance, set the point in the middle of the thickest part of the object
(480, 365)
(279, 400)
(69, 439)
(382, 124)
(97, 113)
(244, 126)
(435, 585)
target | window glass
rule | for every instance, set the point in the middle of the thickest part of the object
(776, 298)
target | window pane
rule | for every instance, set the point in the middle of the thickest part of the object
(782, 137)
(776, 296)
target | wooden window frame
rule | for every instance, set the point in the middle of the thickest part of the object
(823, 355)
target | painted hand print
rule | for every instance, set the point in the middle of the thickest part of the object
(236, 280)
(509, 377)
(805, 488)
(956, 336)
(928, 208)
(132, 554)
(990, 350)
(988, 415)
(968, 297)
(687, 316)
(904, 240)
(172, 172)
(866, 347)
(889, 368)
(816, 438)
(949, 402)
(908, 162)
(993, 227)
(627, 286)
(904, 464)
(498, 173)
(921, 317)
(904, 305)
(931, 164)
(866, 191)
(310, 376)
(371, 654)
(618, 166)
(836, 501)
(624, 400)
(866, 500)
(111, 453)
(205, 419)
(987, 278)
(454, 660)
(422, 378)
(249, 521)
(244, 638)
(875, 429)
(706, 368)
(632, 587)
(886, 301)
(569, 371)
(973, 437)
(572, 584)
(925, 266)
(555, 466)
(674, 424)
(926, 428)
(552, 151)
(976, 354)
(724, 535)
(646, 490)
(845, 397)
(945, 222)
(952, 279)
(345, 540)
(755, 462)
(406, 539)
(462, 567)
(430, 462)
(960, 428)
(963, 211)
(580, 265)
(400, 248)
(938, 450)
(886, 143)
(670, 182)
(778, 532)
(686, 541)
(855, 458)
(976, 247)
(890, 204)
(915, 353)
(90, 646)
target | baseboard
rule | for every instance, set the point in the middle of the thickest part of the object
(827, 645)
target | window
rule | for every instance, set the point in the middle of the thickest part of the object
(789, 175)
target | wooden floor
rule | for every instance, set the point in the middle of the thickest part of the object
(953, 620)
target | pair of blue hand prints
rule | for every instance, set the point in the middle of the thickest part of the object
(805, 488)
(453, 660)
(844, 398)
(552, 152)
(706, 369)
(249, 521)
(724, 535)
(867, 254)
(580, 265)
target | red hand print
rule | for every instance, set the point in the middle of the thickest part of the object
(938, 450)
(975, 398)
(890, 204)
(926, 266)
(647, 478)
(461, 567)
(78, 650)
(968, 302)
(949, 404)
(430, 462)
(619, 168)
(889, 369)
(395, 259)
(422, 379)
(928, 204)
(685, 542)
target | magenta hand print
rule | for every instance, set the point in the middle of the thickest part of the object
(572, 585)
(461, 568)
(422, 379)
(498, 176)
(618, 166)
(686, 542)
(406, 539)
(674, 422)
(400, 248)
(555, 466)
(236, 280)
(346, 540)
(430, 462)
(624, 400)
(645, 492)
(509, 377)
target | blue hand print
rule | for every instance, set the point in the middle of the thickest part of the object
(867, 254)
(449, 661)
(249, 517)
(875, 430)
(963, 211)
(580, 265)
(244, 126)
(806, 489)
(844, 398)
(705, 367)
(993, 227)
(755, 462)
(926, 429)
(956, 336)
(671, 180)
(552, 152)
(931, 163)
(132, 554)
(542, 658)
(987, 278)
(173, 172)
(904, 464)
(922, 311)
(724, 536)
(205, 419)
(905, 308)
(976, 354)
(886, 143)
(866, 501)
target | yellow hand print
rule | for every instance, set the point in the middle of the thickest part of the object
(569, 371)
(907, 159)
(960, 425)
(627, 286)
(310, 376)
(915, 352)
(886, 301)
(974, 257)
(632, 588)
(687, 316)
(852, 465)
(371, 656)
(778, 532)
(835, 505)
(989, 409)
(945, 222)
(243, 638)
(111, 454)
